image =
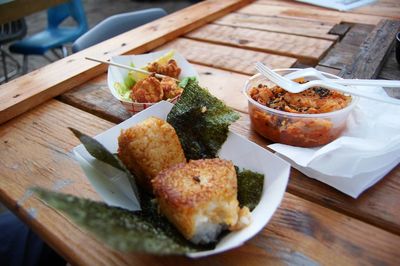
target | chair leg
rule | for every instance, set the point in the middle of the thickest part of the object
(64, 51)
(25, 65)
(48, 58)
(3, 59)
(55, 53)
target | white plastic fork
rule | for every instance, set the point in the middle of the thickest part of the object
(312, 72)
(295, 87)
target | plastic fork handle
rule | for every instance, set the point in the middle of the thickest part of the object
(312, 72)
(353, 91)
(368, 82)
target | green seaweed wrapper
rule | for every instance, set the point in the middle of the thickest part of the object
(201, 122)
(121, 229)
(142, 231)
(250, 187)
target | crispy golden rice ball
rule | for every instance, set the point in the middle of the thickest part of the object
(200, 198)
(148, 148)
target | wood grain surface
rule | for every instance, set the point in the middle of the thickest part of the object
(224, 57)
(343, 52)
(305, 49)
(316, 29)
(384, 8)
(22, 94)
(17, 9)
(368, 62)
(49, 163)
(308, 12)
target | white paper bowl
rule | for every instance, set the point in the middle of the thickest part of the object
(113, 186)
(117, 74)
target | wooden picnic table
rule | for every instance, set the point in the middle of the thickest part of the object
(315, 223)
(16, 9)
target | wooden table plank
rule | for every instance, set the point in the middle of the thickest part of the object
(340, 29)
(307, 13)
(17, 9)
(384, 8)
(224, 57)
(44, 131)
(368, 62)
(387, 8)
(305, 49)
(317, 29)
(391, 68)
(22, 94)
(343, 51)
(95, 97)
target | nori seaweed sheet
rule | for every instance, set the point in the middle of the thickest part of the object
(250, 187)
(142, 231)
(201, 122)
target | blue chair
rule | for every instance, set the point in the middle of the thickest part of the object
(115, 25)
(55, 36)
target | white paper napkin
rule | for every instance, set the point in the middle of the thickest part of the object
(342, 5)
(366, 151)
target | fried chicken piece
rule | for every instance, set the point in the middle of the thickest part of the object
(149, 147)
(200, 198)
(147, 90)
(171, 69)
(170, 88)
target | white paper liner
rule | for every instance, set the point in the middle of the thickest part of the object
(361, 156)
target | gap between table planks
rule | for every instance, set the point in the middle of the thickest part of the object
(307, 50)
(225, 57)
(316, 29)
(377, 206)
(22, 94)
(321, 231)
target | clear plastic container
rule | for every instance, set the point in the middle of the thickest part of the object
(296, 129)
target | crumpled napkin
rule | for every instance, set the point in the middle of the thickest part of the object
(365, 152)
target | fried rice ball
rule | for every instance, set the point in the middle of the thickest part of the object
(200, 199)
(148, 148)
